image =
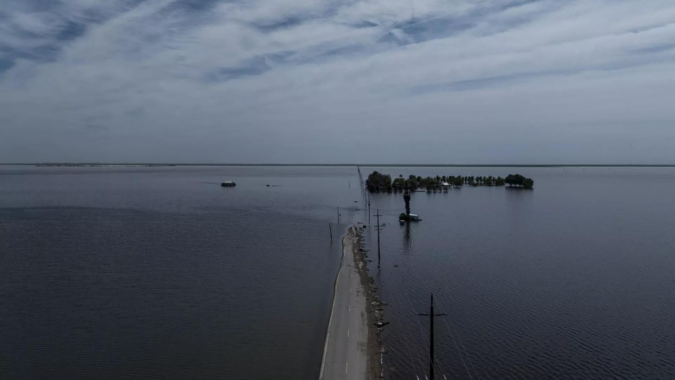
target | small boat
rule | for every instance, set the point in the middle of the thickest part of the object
(229, 184)
(410, 218)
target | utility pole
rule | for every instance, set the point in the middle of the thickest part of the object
(378, 237)
(431, 316)
(368, 196)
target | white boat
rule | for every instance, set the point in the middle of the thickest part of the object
(412, 218)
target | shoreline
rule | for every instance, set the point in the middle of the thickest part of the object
(375, 313)
(352, 347)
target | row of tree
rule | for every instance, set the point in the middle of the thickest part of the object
(378, 182)
(519, 180)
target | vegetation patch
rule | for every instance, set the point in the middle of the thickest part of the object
(378, 182)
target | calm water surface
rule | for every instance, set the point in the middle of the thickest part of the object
(574, 280)
(140, 273)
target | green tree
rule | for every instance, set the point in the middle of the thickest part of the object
(411, 183)
(377, 182)
(516, 180)
(528, 183)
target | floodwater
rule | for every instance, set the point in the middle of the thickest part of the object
(141, 273)
(572, 280)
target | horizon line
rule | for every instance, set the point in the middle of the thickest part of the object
(316, 164)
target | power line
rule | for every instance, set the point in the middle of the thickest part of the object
(378, 238)
(462, 344)
(431, 316)
(427, 343)
(466, 353)
(418, 322)
(407, 330)
(459, 352)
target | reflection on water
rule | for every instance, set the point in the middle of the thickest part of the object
(570, 280)
(159, 272)
(138, 273)
(407, 243)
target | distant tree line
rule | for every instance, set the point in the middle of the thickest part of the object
(378, 182)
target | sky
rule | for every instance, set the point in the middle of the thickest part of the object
(338, 81)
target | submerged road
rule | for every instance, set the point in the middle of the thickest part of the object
(346, 350)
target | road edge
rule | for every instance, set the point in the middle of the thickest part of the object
(332, 307)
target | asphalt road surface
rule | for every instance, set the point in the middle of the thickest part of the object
(345, 352)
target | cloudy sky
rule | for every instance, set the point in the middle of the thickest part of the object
(338, 81)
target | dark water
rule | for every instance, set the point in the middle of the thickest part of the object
(142, 273)
(574, 280)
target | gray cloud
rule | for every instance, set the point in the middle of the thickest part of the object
(469, 81)
(96, 127)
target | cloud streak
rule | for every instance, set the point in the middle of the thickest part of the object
(470, 81)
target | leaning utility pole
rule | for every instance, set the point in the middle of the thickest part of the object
(431, 316)
(378, 237)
